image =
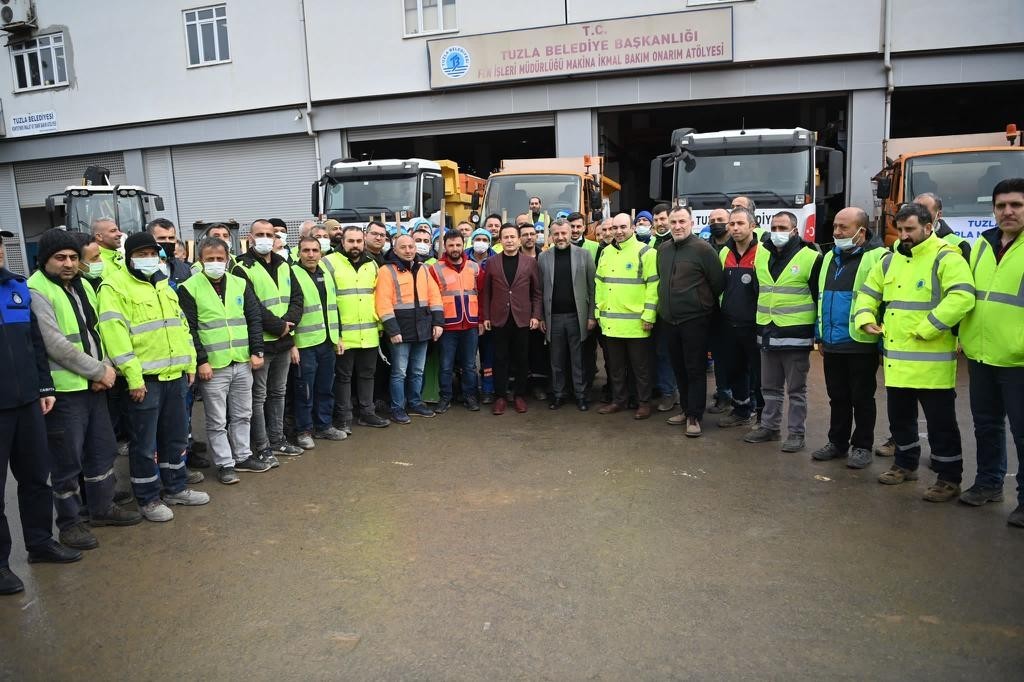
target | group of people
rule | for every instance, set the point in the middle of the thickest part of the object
(110, 340)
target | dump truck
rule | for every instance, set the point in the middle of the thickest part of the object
(780, 169)
(78, 205)
(961, 170)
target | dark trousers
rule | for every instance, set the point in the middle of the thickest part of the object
(590, 358)
(158, 435)
(362, 364)
(81, 443)
(716, 341)
(939, 405)
(458, 349)
(743, 357)
(23, 445)
(540, 361)
(850, 382)
(485, 343)
(382, 375)
(567, 354)
(688, 347)
(314, 387)
(622, 355)
(511, 356)
(997, 393)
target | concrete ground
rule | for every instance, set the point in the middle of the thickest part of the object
(550, 545)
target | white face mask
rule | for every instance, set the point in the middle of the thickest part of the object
(325, 244)
(422, 248)
(147, 266)
(386, 247)
(643, 230)
(215, 269)
(263, 245)
(283, 253)
(844, 244)
(540, 239)
(480, 247)
(165, 270)
(95, 270)
(780, 238)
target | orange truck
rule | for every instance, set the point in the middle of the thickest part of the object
(959, 169)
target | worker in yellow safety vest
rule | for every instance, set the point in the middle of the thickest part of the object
(108, 235)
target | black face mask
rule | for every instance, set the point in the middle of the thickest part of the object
(718, 230)
(168, 250)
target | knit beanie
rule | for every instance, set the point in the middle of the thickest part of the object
(54, 240)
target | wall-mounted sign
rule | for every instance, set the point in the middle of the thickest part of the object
(649, 42)
(32, 124)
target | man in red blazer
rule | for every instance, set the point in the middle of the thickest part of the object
(510, 306)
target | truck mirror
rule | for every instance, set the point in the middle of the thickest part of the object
(595, 197)
(475, 201)
(836, 168)
(158, 203)
(315, 199)
(655, 184)
(883, 188)
(57, 212)
(433, 194)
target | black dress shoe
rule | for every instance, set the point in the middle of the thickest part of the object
(556, 403)
(53, 553)
(582, 405)
(10, 583)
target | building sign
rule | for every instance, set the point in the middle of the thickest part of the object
(32, 124)
(679, 39)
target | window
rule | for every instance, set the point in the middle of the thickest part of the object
(206, 33)
(429, 16)
(39, 63)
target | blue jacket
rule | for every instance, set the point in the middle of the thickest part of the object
(23, 362)
(833, 328)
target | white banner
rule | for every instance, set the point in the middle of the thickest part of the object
(36, 123)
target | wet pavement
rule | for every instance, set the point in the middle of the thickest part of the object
(550, 545)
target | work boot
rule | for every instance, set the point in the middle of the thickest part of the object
(720, 406)
(443, 405)
(941, 491)
(827, 452)
(858, 458)
(734, 419)
(677, 419)
(1016, 517)
(196, 460)
(305, 441)
(194, 477)
(472, 404)
(692, 427)
(896, 475)
(330, 433)
(762, 435)
(156, 511)
(227, 475)
(9, 582)
(52, 552)
(520, 404)
(187, 497)
(666, 403)
(78, 536)
(372, 419)
(794, 443)
(643, 411)
(252, 465)
(499, 406)
(976, 495)
(116, 516)
(886, 449)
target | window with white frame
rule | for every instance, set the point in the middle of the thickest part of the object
(429, 16)
(206, 35)
(39, 63)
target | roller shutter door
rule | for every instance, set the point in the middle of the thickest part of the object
(10, 219)
(160, 180)
(39, 179)
(477, 125)
(244, 180)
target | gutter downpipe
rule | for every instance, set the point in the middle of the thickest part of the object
(889, 84)
(309, 94)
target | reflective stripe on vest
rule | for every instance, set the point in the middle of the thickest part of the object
(311, 330)
(786, 301)
(356, 306)
(222, 327)
(458, 297)
(991, 332)
(274, 296)
(64, 380)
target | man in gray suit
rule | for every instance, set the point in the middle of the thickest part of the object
(567, 280)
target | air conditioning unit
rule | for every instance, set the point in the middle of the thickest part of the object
(17, 17)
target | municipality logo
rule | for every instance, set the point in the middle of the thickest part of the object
(455, 62)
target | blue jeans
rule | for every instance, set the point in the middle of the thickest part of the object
(664, 375)
(997, 394)
(458, 347)
(157, 425)
(407, 361)
(486, 345)
(314, 388)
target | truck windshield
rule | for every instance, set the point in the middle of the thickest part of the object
(369, 196)
(511, 194)
(774, 178)
(962, 180)
(83, 210)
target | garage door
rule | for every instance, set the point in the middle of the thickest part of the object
(14, 250)
(39, 179)
(477, 125)
(244, 180)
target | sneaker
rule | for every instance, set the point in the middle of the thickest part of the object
(692, 427)
(443, 405)
(762, 435)
(156, 511)
(78, 536)
(977, 495)
(666, 403)
(734, 419)
(330, 433)
(194, 477)
(267, 457)
(421, 410)
(896, 475)
(794, 443)
(540, 394)
(828, 452)
(116, 516)
(344, 425)
(720, 406)
(399, 416)
(286, 449)
(472, 404)
(373, 420)
(676, 419)
(252, 465)
(305, 441)
(858, 458)
(1016, 517)
(187, 497)
(9, 582)
(886, 449)
(227, 475)
(941, 491)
